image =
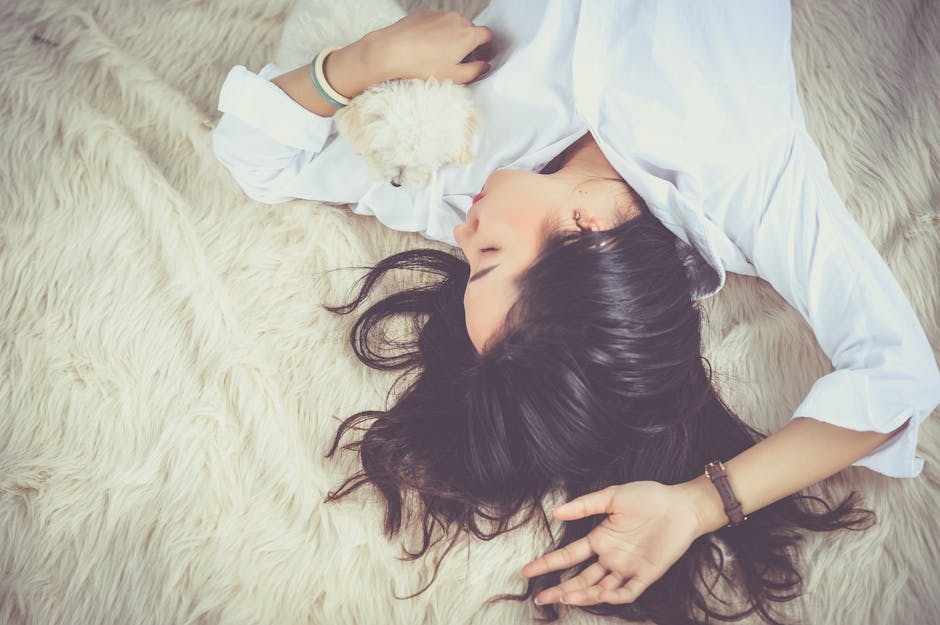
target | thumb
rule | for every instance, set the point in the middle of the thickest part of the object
(599, 502)
(470, 71)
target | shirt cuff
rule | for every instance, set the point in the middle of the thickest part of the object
(896, 457)
(258, 102)
(847, 399)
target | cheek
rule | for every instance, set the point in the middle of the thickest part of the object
(521, 227)
(516, 207)
(485, 311)
(466, 305)
(472, 320)
(509, 182)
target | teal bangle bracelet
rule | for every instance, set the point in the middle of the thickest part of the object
(314, 78)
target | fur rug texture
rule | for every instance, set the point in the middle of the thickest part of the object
(169, 382)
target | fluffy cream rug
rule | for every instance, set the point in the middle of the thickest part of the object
(169, 382)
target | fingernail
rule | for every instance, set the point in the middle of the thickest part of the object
(563, 601)
(537, 602)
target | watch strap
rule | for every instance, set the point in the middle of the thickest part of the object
(715, 471)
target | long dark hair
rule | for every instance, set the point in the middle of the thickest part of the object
(599, 380)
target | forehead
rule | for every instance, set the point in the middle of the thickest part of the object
(487, 302)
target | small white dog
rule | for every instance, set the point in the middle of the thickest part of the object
(405, 129)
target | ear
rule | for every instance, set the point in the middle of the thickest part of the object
(588, 220)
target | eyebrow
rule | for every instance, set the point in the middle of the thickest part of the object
(482, 273)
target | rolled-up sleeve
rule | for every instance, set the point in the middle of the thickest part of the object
(277, 150)
(787, 218)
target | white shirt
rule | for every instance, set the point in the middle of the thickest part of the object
(695, 105)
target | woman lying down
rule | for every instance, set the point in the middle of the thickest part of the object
(632, 153)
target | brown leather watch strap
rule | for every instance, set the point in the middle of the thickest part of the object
(715, 471)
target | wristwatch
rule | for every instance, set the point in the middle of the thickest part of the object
(715, 471)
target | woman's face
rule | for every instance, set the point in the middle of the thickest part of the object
(506, 228)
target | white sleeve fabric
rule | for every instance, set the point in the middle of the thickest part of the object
(787, 218)
(277, 150)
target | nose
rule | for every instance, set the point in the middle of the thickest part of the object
(463, 232)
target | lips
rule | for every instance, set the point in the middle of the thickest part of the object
(477, 197)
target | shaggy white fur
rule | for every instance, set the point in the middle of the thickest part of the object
(407, 129)
(169, 381)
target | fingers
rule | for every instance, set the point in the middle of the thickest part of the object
(587, 578)
(566, 557)
(609, 590)
(627, 593)
(476, 63)
(468, 72)
(599, 502)
(483, 35)
(593, 585)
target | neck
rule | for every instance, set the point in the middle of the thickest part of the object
(583, 162)
(585, 157)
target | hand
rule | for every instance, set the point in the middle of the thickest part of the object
(648, 528)
(431, 43)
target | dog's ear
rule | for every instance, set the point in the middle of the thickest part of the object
(471, 126)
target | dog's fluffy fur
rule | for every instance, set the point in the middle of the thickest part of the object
(405, 129)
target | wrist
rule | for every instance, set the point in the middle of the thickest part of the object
(352, 69)
(706, 503)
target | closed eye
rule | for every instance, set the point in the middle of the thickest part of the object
(487, 249)
(482, 273)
